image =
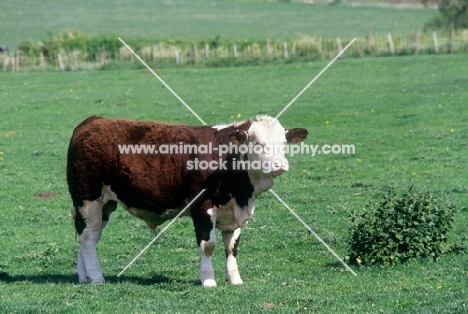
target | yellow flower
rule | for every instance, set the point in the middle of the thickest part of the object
(451, 130)
(238, 116)
(327, 122)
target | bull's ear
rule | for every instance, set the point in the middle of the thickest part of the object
(238, 137)
(296, 135)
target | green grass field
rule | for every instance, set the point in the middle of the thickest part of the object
(405, 115)
(194, 20)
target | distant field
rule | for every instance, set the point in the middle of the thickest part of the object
(188, 19)
(406, 116)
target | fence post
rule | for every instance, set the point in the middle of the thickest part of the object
(160, 47)
(16, 59)
(41, 58)
(268, 48)
(152, 53)
(207, 50)
(434, 39)
(370, 38)
(285, 50)
(235, 50)
(417, 40)
(452, 38)
(338, 44)
(319, 44)
(103, 55)
(6, 62)
(390, 42)
(195, 53)
(177, 57)
(293, 48)
(60, 61)
(69, 59)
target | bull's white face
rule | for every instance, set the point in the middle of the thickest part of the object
(268, 139)
(264, 145)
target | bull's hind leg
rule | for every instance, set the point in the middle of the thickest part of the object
(89, 224)
(231, 243)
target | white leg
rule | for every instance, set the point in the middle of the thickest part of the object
(91, 213)
(206, 251)
(231, 242)
(207, 277)
(80, 267)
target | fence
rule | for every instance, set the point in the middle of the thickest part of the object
(240, 52)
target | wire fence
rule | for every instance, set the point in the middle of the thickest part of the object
(215, 53)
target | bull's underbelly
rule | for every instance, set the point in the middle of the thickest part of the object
(153, 219)
(228, 217)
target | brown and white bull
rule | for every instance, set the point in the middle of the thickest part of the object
(156, 187)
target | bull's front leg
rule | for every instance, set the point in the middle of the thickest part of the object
(231, 243)
(205, 222)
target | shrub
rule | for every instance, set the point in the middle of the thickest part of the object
(66, 39)
(399, 228)
(451, 12)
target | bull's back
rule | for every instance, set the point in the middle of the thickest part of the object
(141, 180)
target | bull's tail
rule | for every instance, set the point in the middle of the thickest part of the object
(73, 215)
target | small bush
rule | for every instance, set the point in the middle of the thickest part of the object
(399, 228)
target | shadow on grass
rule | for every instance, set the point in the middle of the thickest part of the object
(157, 279)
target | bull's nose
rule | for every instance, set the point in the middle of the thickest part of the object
(278, 172)
(279, 167)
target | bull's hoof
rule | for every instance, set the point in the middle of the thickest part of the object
(209, 283)
(236, 282)
(97, 280)
(233, 277)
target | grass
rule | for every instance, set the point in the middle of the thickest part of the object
(406, 116)
(194, 20)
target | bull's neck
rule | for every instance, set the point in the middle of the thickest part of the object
(261, 181)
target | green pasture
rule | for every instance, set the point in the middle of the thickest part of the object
(195, 20)
(406, 117)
